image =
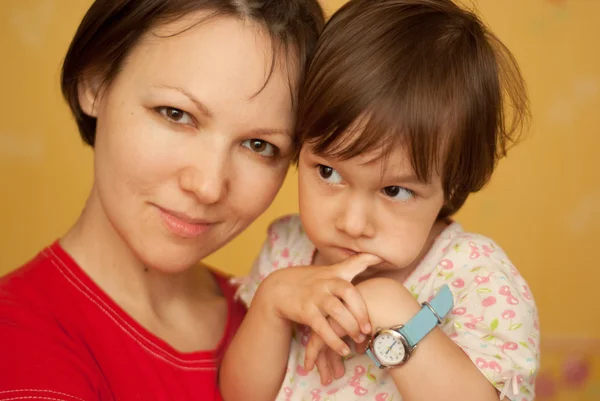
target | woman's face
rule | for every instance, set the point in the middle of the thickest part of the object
(190, 147)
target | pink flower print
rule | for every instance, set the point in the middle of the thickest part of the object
(285, 253)
(514, 271)
(333, 391)
(459, 311)
(482, 279)
(489, 301)
(481, 363)
(316, 394)
(474, 251)
(495, 366)
(381, 397)
(470, 325)
(536, 324)
(504, 290)
(275, 264)
(527, 293)
(512, 300)
(301, 371)
(359, 390)
(508, 314)
(359, 371)
(520, 379)
(273, 237)
(458, 283)
(424, 278)
(288, 393)
(446, 264)
(487, 250)
(509, 346)
(531, 341)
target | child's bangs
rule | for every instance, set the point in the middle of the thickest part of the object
(412, 122)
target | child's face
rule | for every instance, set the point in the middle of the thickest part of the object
(367, 205)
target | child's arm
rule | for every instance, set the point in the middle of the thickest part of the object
(255, 363)
(440, 369)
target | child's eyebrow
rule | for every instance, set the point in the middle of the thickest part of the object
(406, 178)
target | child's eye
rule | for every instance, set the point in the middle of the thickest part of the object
(176, 116)
(261, 147)
(399, 193)
(329, 175)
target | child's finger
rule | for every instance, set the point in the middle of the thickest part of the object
(313, 350)
(321, 326)
(347, 323)
(355, 303)
(324, 369)
(356, 264)
(361, 348)
(335, 362)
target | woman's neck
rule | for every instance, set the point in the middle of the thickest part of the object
(102, 253)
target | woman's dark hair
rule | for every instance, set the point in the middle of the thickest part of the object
(425, 74)
(111, 28)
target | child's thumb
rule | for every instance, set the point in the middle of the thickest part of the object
(356, 264)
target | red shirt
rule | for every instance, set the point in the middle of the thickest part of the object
(63, 339)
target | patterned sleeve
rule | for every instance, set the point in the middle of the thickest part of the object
(495, 322)
(284, 236)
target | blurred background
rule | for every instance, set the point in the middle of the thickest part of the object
(542, 206)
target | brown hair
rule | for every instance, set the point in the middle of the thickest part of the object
(111, 28)
(423, 73)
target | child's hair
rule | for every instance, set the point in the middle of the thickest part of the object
(111, 29)
(422, 73)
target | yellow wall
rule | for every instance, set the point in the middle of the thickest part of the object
(542, 206)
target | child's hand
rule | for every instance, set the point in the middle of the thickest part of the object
(310, 294)
(329, 364)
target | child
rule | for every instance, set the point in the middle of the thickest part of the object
(404, 113)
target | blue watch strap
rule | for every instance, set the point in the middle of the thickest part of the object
(427, 318)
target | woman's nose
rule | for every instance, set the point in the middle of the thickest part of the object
(207, 178)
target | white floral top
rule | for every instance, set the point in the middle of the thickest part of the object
(494, 319)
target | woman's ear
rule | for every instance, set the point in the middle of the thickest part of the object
(89, 90)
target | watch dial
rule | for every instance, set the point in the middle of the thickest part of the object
(388, 349)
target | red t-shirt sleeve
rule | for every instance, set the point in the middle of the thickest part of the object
(38, 361)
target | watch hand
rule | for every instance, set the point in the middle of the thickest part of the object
(390, 348)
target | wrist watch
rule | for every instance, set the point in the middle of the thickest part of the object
(393, 346)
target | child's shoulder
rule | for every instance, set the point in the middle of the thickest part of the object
(287, 243)
(467, 261)
(288, 224)
(286, 231)
(455, 245)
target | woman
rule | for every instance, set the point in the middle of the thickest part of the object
(189, 106)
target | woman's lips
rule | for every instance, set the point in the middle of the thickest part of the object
(183, 225)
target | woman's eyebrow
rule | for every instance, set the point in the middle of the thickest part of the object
(199, 105)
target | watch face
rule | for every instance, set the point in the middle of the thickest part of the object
(389, 349)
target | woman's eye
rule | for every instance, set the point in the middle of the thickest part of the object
(399, 193)
(329, 175)
(176, 116)
(261, 147)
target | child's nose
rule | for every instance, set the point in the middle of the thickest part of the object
(354, 219)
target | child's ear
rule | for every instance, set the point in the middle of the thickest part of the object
(89, 90)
